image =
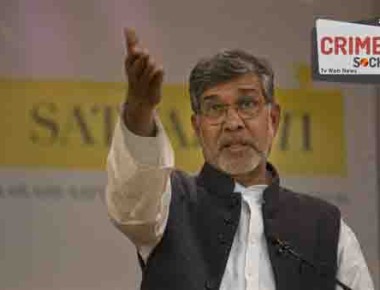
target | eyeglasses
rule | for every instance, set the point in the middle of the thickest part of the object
(246, 107)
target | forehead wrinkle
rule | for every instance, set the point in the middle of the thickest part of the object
(248, 89)
(210, 97)
(241, 91)
(245, 85)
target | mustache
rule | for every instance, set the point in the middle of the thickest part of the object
(229, 141)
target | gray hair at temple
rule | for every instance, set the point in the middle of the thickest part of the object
(227, 65)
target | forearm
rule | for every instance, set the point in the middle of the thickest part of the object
(138, 190)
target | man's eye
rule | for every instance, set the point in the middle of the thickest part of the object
(217, 107)
(214, 108)
(248, 104)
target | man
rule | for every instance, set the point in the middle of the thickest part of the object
(232, 226)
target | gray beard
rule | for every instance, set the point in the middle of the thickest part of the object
(247, 162)
(237, 165)
(242, 164)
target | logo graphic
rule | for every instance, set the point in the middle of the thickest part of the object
(346, 52)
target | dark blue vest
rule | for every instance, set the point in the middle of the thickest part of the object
(203, 218)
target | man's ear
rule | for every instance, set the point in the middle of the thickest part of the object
(275, 116)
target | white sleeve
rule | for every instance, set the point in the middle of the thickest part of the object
(138, 191)
(352, 268)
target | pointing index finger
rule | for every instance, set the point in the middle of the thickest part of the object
(131, 39)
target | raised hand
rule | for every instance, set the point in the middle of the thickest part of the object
(145, 79)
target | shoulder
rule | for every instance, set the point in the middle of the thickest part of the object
(183, 184)
(182, 179)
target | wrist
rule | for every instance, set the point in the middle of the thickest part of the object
(139, 119)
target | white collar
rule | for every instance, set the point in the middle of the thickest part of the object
(253, 192)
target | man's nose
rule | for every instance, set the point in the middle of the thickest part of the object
(232, 120)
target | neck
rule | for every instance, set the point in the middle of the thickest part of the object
(257, 176)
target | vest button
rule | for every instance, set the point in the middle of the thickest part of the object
(227, 219)
(222, 239)
(234, 202)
